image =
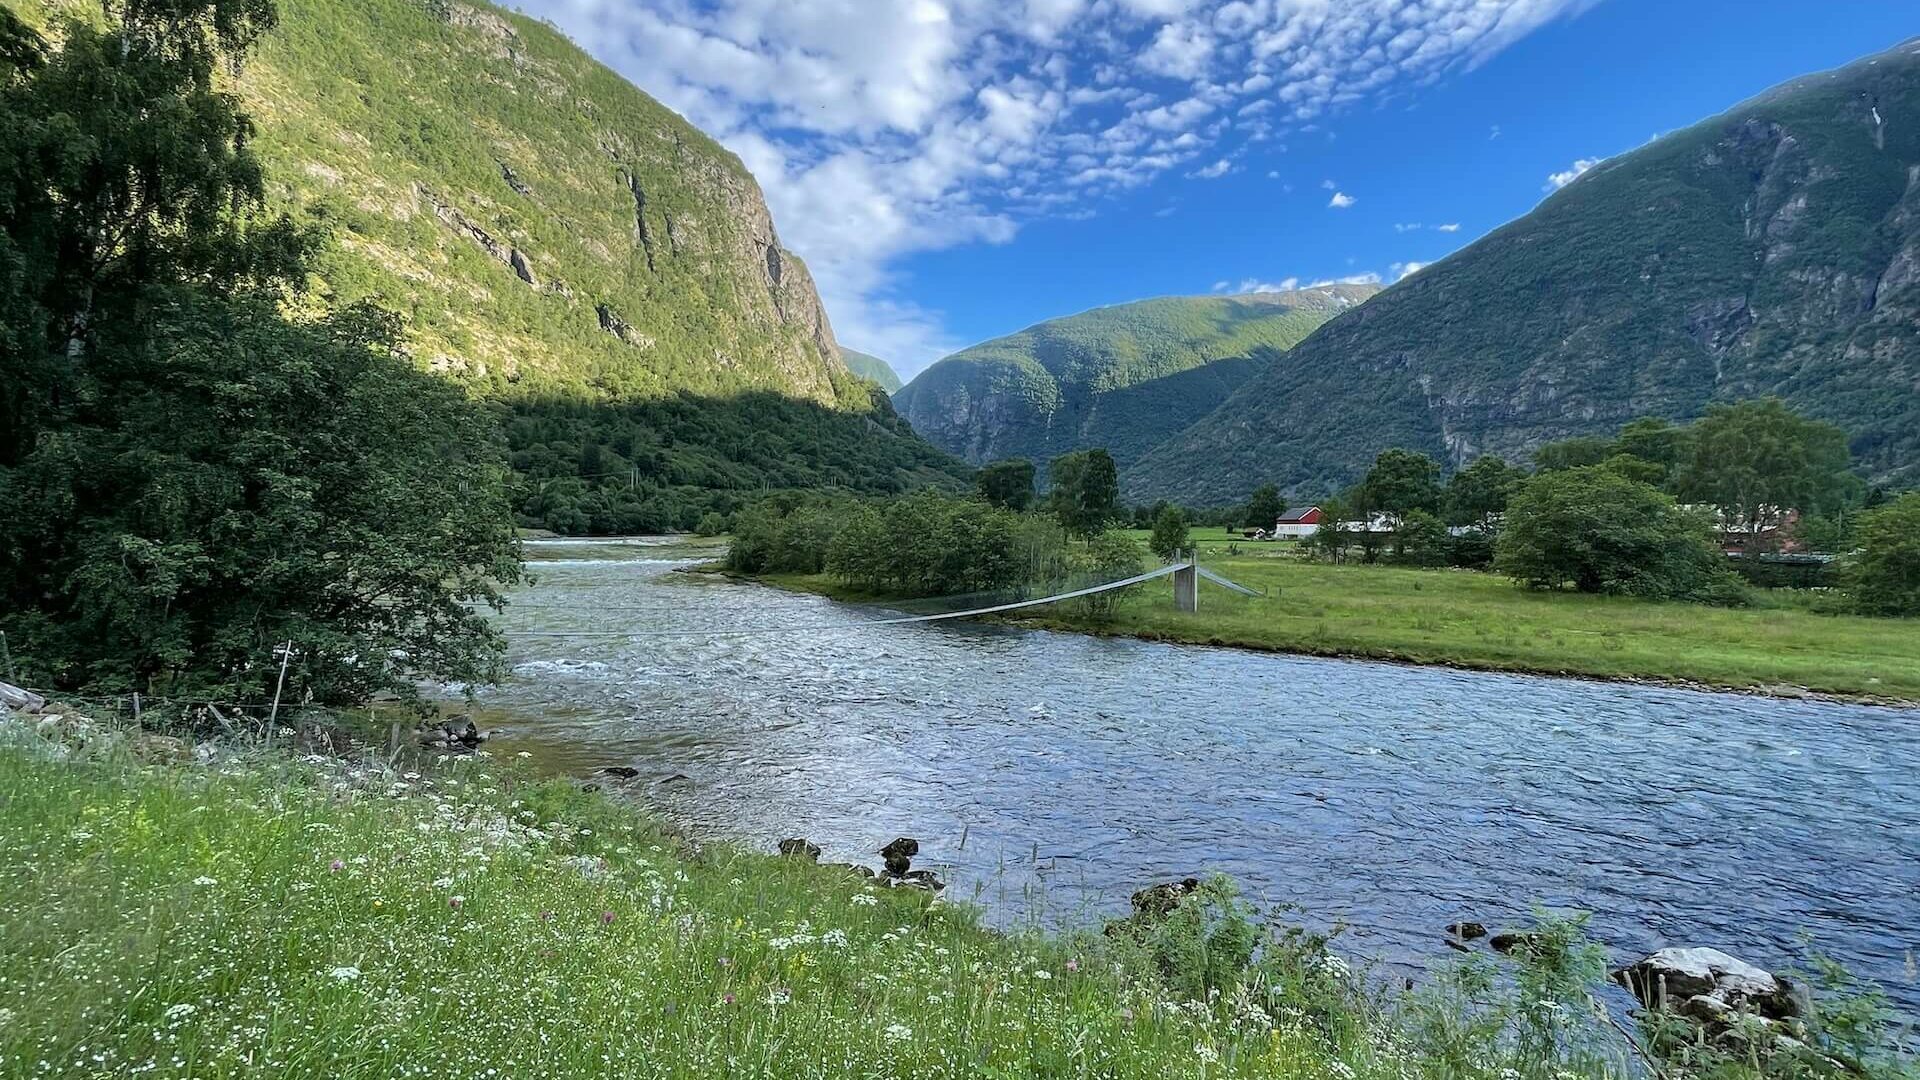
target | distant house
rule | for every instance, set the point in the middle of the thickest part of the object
(1298, 522)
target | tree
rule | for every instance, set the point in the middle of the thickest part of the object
(1883, 577)
(1169, 537)
(1007, 483)
(1086, 490)
(192, 476)
(1422, 539)
(1264, 508)
(1332, 539)
(1400, 482)
(1600, 532)
(1477, 495)
(1108, 557)
(1758, 460)
(1575, 453)
(1658, 444)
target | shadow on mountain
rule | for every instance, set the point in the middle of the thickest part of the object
(602, 468)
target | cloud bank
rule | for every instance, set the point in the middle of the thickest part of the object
(882, 128)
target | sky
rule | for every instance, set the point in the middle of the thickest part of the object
(954, 170)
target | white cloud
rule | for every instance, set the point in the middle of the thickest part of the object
(1214, 171)
(1328, 185)
(1408, 226)
(1255, 285)
(1558, 180)
(1402, 269)
(881, 128)
(1341, 200)
(1451, 226)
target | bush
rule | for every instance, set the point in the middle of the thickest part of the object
(1883, 577)
(1107, 557)
(712, 523)
(1599, 532)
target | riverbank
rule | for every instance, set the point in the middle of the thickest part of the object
(1483, 622)
(182, 910)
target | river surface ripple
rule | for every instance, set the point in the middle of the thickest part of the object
(1387, 798)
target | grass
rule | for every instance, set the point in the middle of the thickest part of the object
(1483, 621)
(253, 915)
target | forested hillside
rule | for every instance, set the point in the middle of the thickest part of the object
(1123, 377)
(555, 239)
(871, 367)
(1772, 250)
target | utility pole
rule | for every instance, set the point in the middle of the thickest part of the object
(1186, 583)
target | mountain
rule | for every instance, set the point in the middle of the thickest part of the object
(559, 241)
(871, 368)
(1771, 250)
(1123, 377)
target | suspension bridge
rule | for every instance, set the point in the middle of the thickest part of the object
(1186, 572)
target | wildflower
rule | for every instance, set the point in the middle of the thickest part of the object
(336, 866)
(1042, 974)
(523, 754)
(736, 883)
(726, 998)
(1073, 965)
(898, 1033)
(779, 995)
(455, 902)
(724, 961)
(203, 881)
(1341, 1069)
(835, 938)
(1207, 1054)
(443, 883)
(180, 1011)
(865, 899)
(606, 918)
(345, 974)
(546, 916)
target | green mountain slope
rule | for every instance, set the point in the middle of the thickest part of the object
(1774, 249)
(871, 367)
(1123, 377)
(557, 240)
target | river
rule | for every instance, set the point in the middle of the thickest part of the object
(1051, 774)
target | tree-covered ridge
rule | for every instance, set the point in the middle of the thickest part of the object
(1124, 377)
(1772, 250)
(543, 227)
(871, 368)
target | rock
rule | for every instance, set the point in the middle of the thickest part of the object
(1508, 941)
(26, 701)
(622, 772)
(854, 869)
(1456, 944)
(1467, 931)
(676, 778)
(921, 879)
(897, 865)
(1710, 985)
(904, 847)
(800, 847)
(159, 748)
(1158, 901)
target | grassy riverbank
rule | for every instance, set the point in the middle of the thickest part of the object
(234, 912)
(1482, 621)
(261, 916)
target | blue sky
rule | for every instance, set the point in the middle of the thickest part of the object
(953, 170)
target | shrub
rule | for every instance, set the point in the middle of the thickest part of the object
(1169, 533)
(1599, 532)
(1107, 557)
(1883, 577)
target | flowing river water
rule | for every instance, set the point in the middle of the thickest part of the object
(1049, 775)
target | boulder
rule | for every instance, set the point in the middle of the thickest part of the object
(1508, 941)
(159, 748)
(903, 848)
(1709, 986)
(1467, 931)
(1158, 901)
(800, 847)
(622, 772)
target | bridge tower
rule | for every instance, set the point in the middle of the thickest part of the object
(1186, 583)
